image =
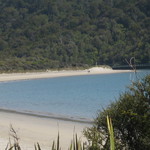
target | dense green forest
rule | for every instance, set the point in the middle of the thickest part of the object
(42, 34)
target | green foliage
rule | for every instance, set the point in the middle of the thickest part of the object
(111, 133)
(131, 120)
(41, 34)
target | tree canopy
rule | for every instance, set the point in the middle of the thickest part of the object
(42, 34)
(130, 116)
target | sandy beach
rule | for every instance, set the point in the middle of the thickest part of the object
(31, 130)
(53, 74)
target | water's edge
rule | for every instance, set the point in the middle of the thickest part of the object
(48, 116)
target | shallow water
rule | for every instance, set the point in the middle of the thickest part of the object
(71, 97)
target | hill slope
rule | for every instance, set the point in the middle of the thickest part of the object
(40, 34)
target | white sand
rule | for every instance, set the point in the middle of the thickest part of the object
(34, 129)
(52, 74)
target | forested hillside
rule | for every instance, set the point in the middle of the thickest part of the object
(41, 34)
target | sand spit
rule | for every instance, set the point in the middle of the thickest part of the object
(53, 74)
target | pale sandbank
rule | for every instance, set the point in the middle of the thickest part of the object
(53, 74)
(31, 130)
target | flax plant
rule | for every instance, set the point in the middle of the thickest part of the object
(76, 144)
(111, 133)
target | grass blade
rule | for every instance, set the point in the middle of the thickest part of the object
(58, 142)
(111, 133)
(53, 146)
(38, 145)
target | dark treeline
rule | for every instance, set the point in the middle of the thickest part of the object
(42, 34)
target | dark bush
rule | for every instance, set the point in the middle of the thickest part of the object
(130, 116)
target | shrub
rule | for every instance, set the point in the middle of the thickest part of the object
(130, 116)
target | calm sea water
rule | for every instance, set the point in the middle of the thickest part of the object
(78, 96)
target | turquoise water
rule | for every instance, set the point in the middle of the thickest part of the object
(74, 97)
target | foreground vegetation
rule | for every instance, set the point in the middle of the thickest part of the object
(75, 143)
(126, 128)
(130, 117)
(43, 34)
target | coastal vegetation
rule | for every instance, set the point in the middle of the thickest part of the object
(44, 34)
(127, 127)
(130, 116)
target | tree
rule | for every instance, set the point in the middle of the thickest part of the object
(130, 117)
(102, 31)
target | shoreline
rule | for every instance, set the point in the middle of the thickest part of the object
(49, 116)
(31, 129)
(5, 77)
